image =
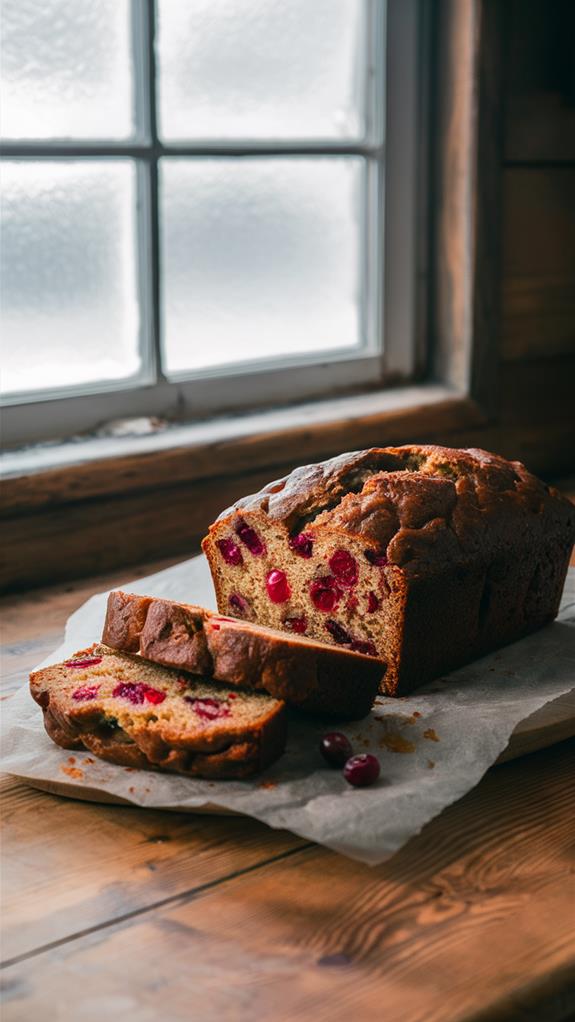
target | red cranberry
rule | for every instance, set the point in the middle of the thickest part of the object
(278, 586)
(296, 624)
(208, 709)
(361, 770)
(344, 567)
(335, 748)
(325, 593)
(138, 692)
(338, 633)
(250, 538)
(153, 695)
(302, 544)
(372, 603)
(377, 557)
(239, 604)
(363, 646)
(82, 695)
(89, 661)
(230, 551)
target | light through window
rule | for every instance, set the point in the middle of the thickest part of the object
(191, 193)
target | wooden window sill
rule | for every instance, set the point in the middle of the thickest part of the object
(104, 466)
(88, 507)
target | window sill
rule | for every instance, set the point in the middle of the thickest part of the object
(74, 471)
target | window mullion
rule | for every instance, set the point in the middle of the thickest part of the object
(143, 20)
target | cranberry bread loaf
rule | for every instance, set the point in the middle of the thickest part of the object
(426, 557)
(308, 674)
(136, 714)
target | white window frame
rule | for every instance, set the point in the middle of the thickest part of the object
(394, 271)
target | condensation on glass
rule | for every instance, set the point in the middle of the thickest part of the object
(261, 258)
(66, 69)
(262, 69)
(69, 293)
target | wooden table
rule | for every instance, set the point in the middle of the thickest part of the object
(125, 913)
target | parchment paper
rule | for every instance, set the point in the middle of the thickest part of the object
(433, 746)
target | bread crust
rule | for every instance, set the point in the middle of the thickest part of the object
(230, 748)
(311, 675)
(475, 547)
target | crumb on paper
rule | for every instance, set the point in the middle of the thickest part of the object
(391, 739)
(430, 764)
(396, 743)
(131, 789)
(431, 734)
(267, 784)
(414, 717)
(71, 759)
(72, 771)
(89, 760)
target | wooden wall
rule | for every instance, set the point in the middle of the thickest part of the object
(538, 234)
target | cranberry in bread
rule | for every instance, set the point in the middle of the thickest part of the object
(136, 714)
(425, 557)
(308, 674)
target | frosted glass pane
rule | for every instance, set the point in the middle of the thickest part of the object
(262, 68)
(261, 258)
(65, 69)
(68, 305)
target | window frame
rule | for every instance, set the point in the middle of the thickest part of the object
(395, 270)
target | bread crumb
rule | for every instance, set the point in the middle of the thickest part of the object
(71, 759)
(431, 735)
(414, 717)
(267, 784)
(72, 771)
(395, 743)
(430, 764)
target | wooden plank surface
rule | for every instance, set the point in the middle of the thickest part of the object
(473, 920)
(147, 915)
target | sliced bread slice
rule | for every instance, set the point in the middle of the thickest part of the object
(129, 711)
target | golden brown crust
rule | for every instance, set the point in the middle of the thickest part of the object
(420, 503)
(311, 675)
(125, 619)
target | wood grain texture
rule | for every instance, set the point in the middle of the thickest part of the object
(103, 865)
(472, 920)
(538, 262)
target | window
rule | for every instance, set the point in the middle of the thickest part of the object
(193, 205)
